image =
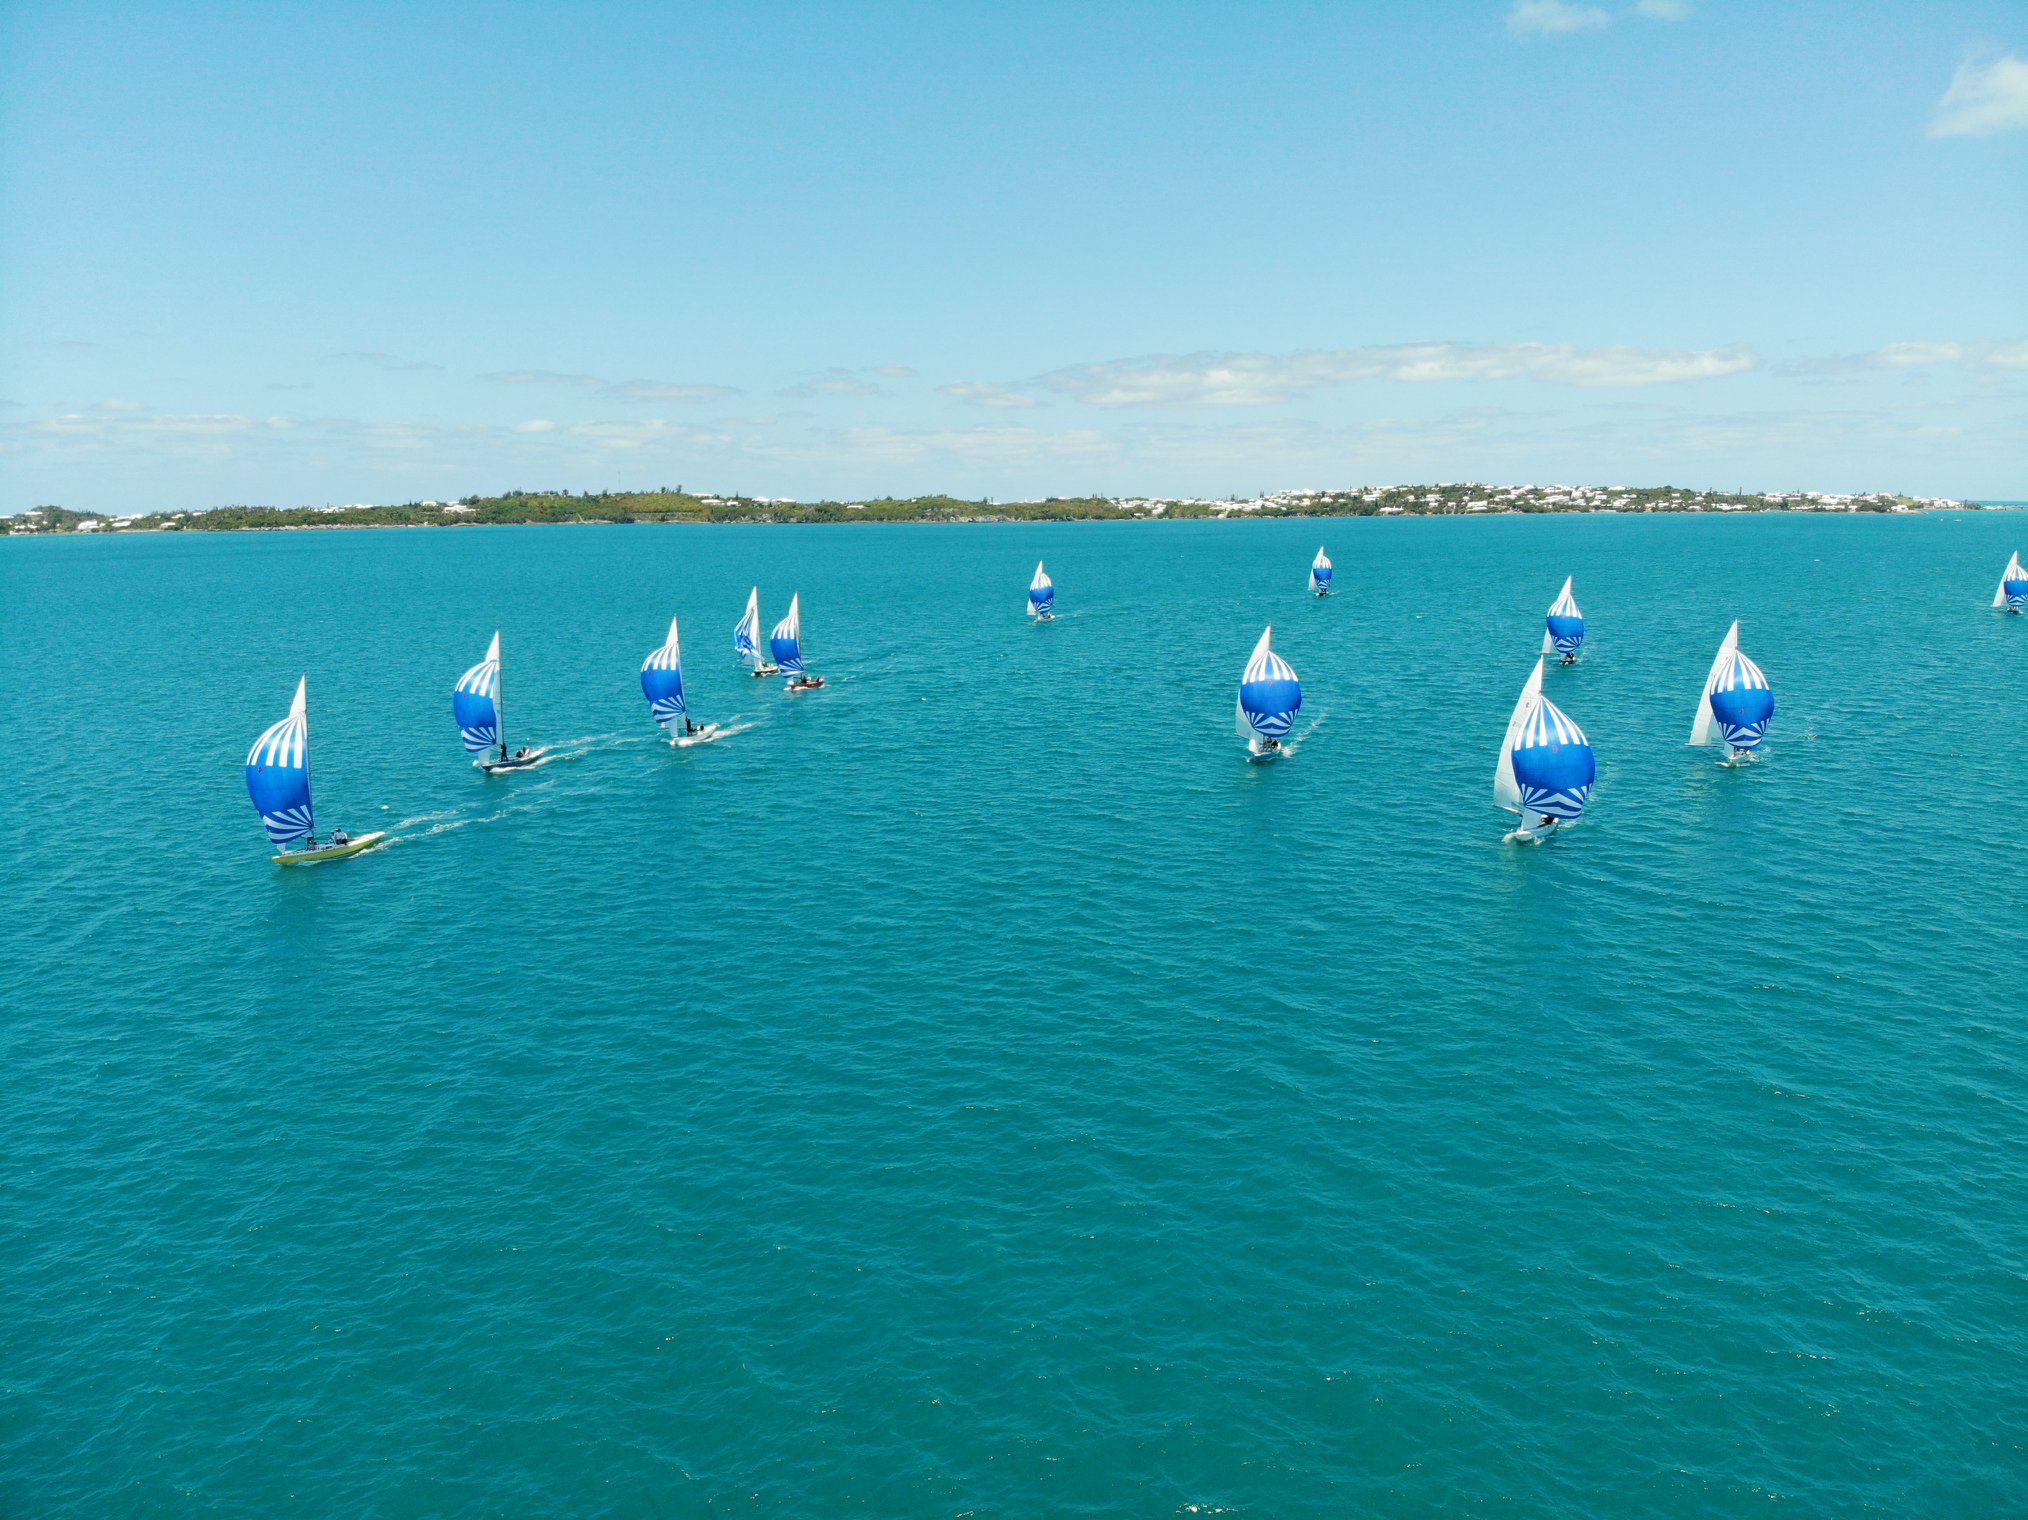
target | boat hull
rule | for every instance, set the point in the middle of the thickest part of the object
(812, 683)
(333, 852)
(703, 735)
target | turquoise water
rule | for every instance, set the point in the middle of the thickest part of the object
(972, 1089)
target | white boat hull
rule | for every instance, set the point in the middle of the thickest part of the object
(330, 852)
(703, 735)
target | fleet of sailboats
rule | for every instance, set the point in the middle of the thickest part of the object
(1737, 701)
(1545, 773)
(2013, 591)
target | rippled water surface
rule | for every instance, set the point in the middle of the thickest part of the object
(973, 1090)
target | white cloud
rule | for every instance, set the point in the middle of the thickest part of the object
(1987, 95)
(624, 390)
(662, 390)
(994, 443)
(1268, 379)
(388, 362)
(539, 377)
(121, 424)
(1663, 10)
(535, 425)
(1548, 18)
(1977, 356)
(894, 371)
(837, 383)
(988, 393)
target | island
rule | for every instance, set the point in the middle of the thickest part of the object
(676, 505)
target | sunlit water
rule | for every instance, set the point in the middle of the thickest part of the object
(972, 1089)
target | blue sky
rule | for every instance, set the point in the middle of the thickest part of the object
(305, 254)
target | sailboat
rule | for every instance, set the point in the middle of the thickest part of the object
(662, 684)
(1737, 701)
(786, 644)
(1564, 633)
(2013, 592)
(1269, 698)
(1042, 595)
(477, 705)
(278, 781)
(1546, 765)
(746, 637)
(1320, 574)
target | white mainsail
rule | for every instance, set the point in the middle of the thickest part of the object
(1707, 722)
(1506, 790)
(2013, 573)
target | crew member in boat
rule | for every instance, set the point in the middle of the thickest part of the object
(340, 839)
(1571, 658)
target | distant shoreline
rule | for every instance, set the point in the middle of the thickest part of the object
(613, 508)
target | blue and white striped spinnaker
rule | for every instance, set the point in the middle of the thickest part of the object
(1563, 632)
(1737, 701)
(2013, 592)
(1320, 572)
(1546, 767)
(1270, 696)
(662, 680)
(746, 632)
(786, 641)
(1041, 591)
(278, 774)
(475, 702)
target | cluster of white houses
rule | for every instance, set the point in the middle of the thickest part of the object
(1452, 497)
